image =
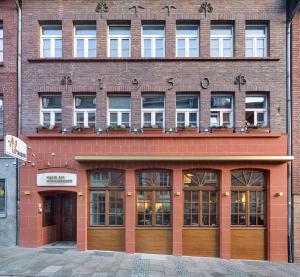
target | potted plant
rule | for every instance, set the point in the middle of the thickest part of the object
(79, 128)
(153, 129)
(118, 129)
(188, 129)
(47, 129)
(222, 129)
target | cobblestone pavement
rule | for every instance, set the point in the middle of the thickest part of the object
(15, 261)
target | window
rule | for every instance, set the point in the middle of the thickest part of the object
(119, 112)
(2, 198)
(1, 117)
(256, 111)
(187, 41)
(248, 198)
(153, 41)
(221, 114)
(51, 42)
(256, 41)
(153, 108)
(85, 41)
(51, 111)
(1, 42)
(119, 42)
(49, 211)
(201, 198)
(154, 198)
(221, 41)
(187, 111)
(85, 111)
(107, 198)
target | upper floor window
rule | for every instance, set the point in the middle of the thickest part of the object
(153, 110)
(107, 198)
(221, 41)
(221, 111)
(187, 41)
(256, 110)
(1, 117)
(187, 111)
(119, 112)
(201, 198)
(119, 42)
(2, 198)
(85, 111)
(153, 41)
(51, 42)
(85, 41)
(154, 197)
(1, 42)
(51, 111)
(248, 198)
(256, 41)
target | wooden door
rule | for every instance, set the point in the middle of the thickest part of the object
(69, 217)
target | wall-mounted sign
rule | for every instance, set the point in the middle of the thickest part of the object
(56, 180)
(15, 147)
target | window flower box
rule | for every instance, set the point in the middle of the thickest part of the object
(152, 130)
(222, 130)
(187, 130)
(120, 129)
(82, 130)
(48, 130)
(260, 130)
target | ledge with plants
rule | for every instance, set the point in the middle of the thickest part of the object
(118, 129)
(258, 129)
(187, 130)
(48, 129)
(222, 130)
(154, 129)
(82, 130)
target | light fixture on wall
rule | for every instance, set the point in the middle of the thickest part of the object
(278, 194)
(27, 192)
(80, 193)
(177, 193)
(129, 193)
(226, 193)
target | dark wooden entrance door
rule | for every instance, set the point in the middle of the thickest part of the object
(68, 222)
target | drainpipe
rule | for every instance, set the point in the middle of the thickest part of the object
(19, 114)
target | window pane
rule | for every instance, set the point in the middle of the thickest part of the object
(51, 30)
(2, 197)
(58, 48)
(154, 178)
(125, 119)
(119, 30)
(150, 101)
(106, 178)
(221, 30)
(193, 119)
(261, 118)
(80, 48)
(159, 119)
(92, 48)
(154, 30)
(57, 117)
(85, 102)
(187, 102)
(250, 117)
(79, 118)
(85, 30)
(147, 119)
(147, 47)
(249, 52)
(51, 102)
(119, 102)
(221, 102)
(187, 30)
(46, 48)
(214, 119)
(113, 48)
(193, 49)
(215, 48)
(255, 102)
(125, 47)
(260, 53)
(255, 30)
(180, 119)
(159, 48)
(113, 118)
(180, 47)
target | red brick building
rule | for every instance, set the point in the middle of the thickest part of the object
(8, 118)
(156, 128)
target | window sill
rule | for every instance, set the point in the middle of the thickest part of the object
(186, 227)
(199, 59)
(105, 227)
(154, 227)
(248, 227)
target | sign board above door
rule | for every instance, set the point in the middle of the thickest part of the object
(56, 180)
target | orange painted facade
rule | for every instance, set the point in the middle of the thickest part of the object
(56, 153)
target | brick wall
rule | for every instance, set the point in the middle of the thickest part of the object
(8, 69)
(266, 75)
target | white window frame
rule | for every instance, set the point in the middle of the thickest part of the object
(153, 112)
(221, 111)
(119, 38)
(187, 113)
(85, 112)
(52, 39)
(51, 111)
(187, 41)
(254, 39)
(153, 41)
(220, 39)
(257, 110)
(119, 112)
(86, 39)
(2, 39)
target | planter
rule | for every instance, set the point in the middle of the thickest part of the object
(222, 130)
(83, 131)
(187, 130)
(117, 130)
(153, 130)
(259, 130)
(48, 131)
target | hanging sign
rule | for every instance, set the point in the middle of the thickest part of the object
(56, 180)
(15, 147)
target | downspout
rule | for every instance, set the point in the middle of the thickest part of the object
(19, 115)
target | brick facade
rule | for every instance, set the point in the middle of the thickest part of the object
(8, 68)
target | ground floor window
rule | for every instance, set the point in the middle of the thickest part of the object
(248, 198)
(2, 198)
(201, 198)
(49, 211)
(107, 198)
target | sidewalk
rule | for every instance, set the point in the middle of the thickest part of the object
(51, 261)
